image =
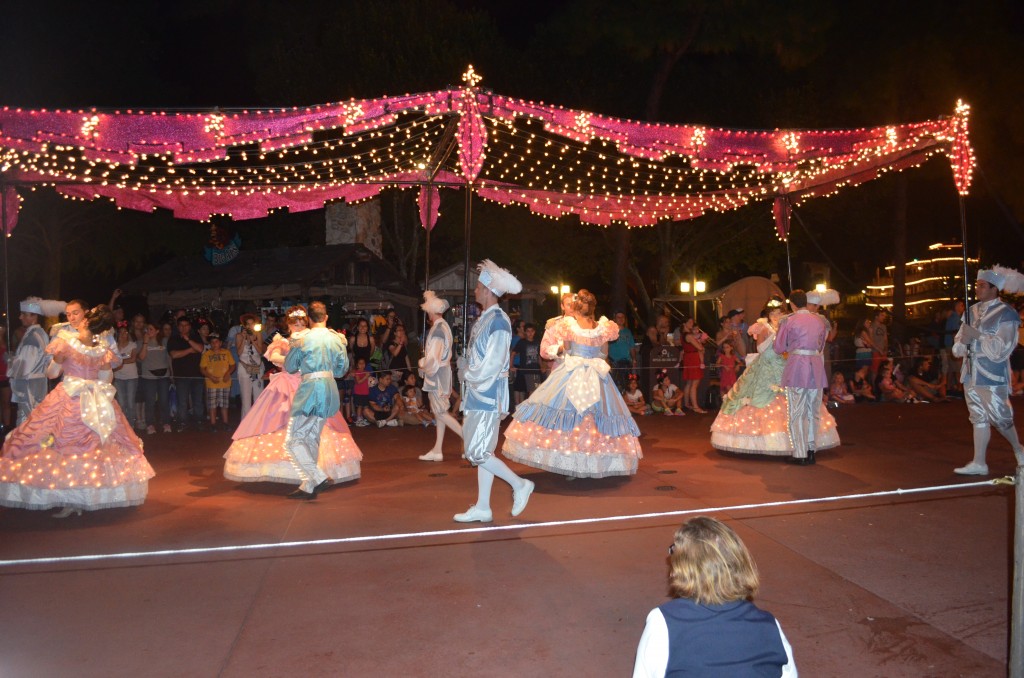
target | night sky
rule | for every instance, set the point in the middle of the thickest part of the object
(732, 64)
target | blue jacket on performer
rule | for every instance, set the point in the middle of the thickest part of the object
(486, 369)
(320, 356)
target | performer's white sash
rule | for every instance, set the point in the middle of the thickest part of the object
(584, 385)
(97, 403)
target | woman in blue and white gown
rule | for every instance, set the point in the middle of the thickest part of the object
(576, 422)
(754, 418)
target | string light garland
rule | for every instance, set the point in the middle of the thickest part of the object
(552, 160)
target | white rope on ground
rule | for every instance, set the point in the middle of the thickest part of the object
(1008, 480)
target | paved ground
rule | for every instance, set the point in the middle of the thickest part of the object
(909, 585)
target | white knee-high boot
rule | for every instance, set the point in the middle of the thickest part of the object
(1010, 433)
(450, 422)
(982, 434)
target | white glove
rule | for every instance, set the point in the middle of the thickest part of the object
(969, 333)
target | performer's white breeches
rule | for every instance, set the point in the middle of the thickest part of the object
(480, 435)
(440, 403)
(302, 443)
(989, 405)
(804, 412)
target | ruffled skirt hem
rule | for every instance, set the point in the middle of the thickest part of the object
(284, 472)
(576, 465)
(772, 444)
(566, 419)
(16, 495)
(263, 458)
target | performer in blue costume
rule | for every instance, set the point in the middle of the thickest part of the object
(576, 423)
(320, 357)
(27, 369)
(435, 368)
(483, 372)
(986, 339)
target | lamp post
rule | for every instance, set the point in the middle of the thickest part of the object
(559, 290)
(698, 287)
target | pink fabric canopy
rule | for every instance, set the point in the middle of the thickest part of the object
(554, 161)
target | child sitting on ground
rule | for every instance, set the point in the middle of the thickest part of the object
(666, 398)
(890, 389)
(860, 385)
(634, 397)
(837, 390)
(413, 413)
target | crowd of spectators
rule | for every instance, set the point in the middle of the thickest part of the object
(173, 377)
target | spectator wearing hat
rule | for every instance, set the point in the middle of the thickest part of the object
(217, 365)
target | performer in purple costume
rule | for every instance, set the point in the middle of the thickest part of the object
(800, 340)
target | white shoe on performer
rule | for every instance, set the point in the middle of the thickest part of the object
(521, 497)
(473, 515)
(972, 469)
(431, 456)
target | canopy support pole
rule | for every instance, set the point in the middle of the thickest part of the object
(7, 269)
(1017, 607)
(789, 263)
(467, 228)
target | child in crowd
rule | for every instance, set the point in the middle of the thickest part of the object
(345, 385)
(837, 391)
(360, 391)
(217, 365)
(728, 366)
(666, 398)
(711, 627)
(889, 389)
(634, 397)
(860, 385)
(413, 412)
(926, 383)
(384, 402)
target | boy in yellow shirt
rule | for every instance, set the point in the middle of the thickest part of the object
(217, 365)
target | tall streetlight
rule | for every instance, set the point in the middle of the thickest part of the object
(559, 290)
(698, 287)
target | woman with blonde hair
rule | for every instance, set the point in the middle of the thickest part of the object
(710, 627)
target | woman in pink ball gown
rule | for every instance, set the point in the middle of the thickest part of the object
(76, 450)
(258, 453)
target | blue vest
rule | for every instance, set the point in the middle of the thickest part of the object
(734, 640)
(988, 372)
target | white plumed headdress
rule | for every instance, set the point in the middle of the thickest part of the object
(827, 298)
(433, 303)
(44, 307)
(497, 279)
(1003, 278)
